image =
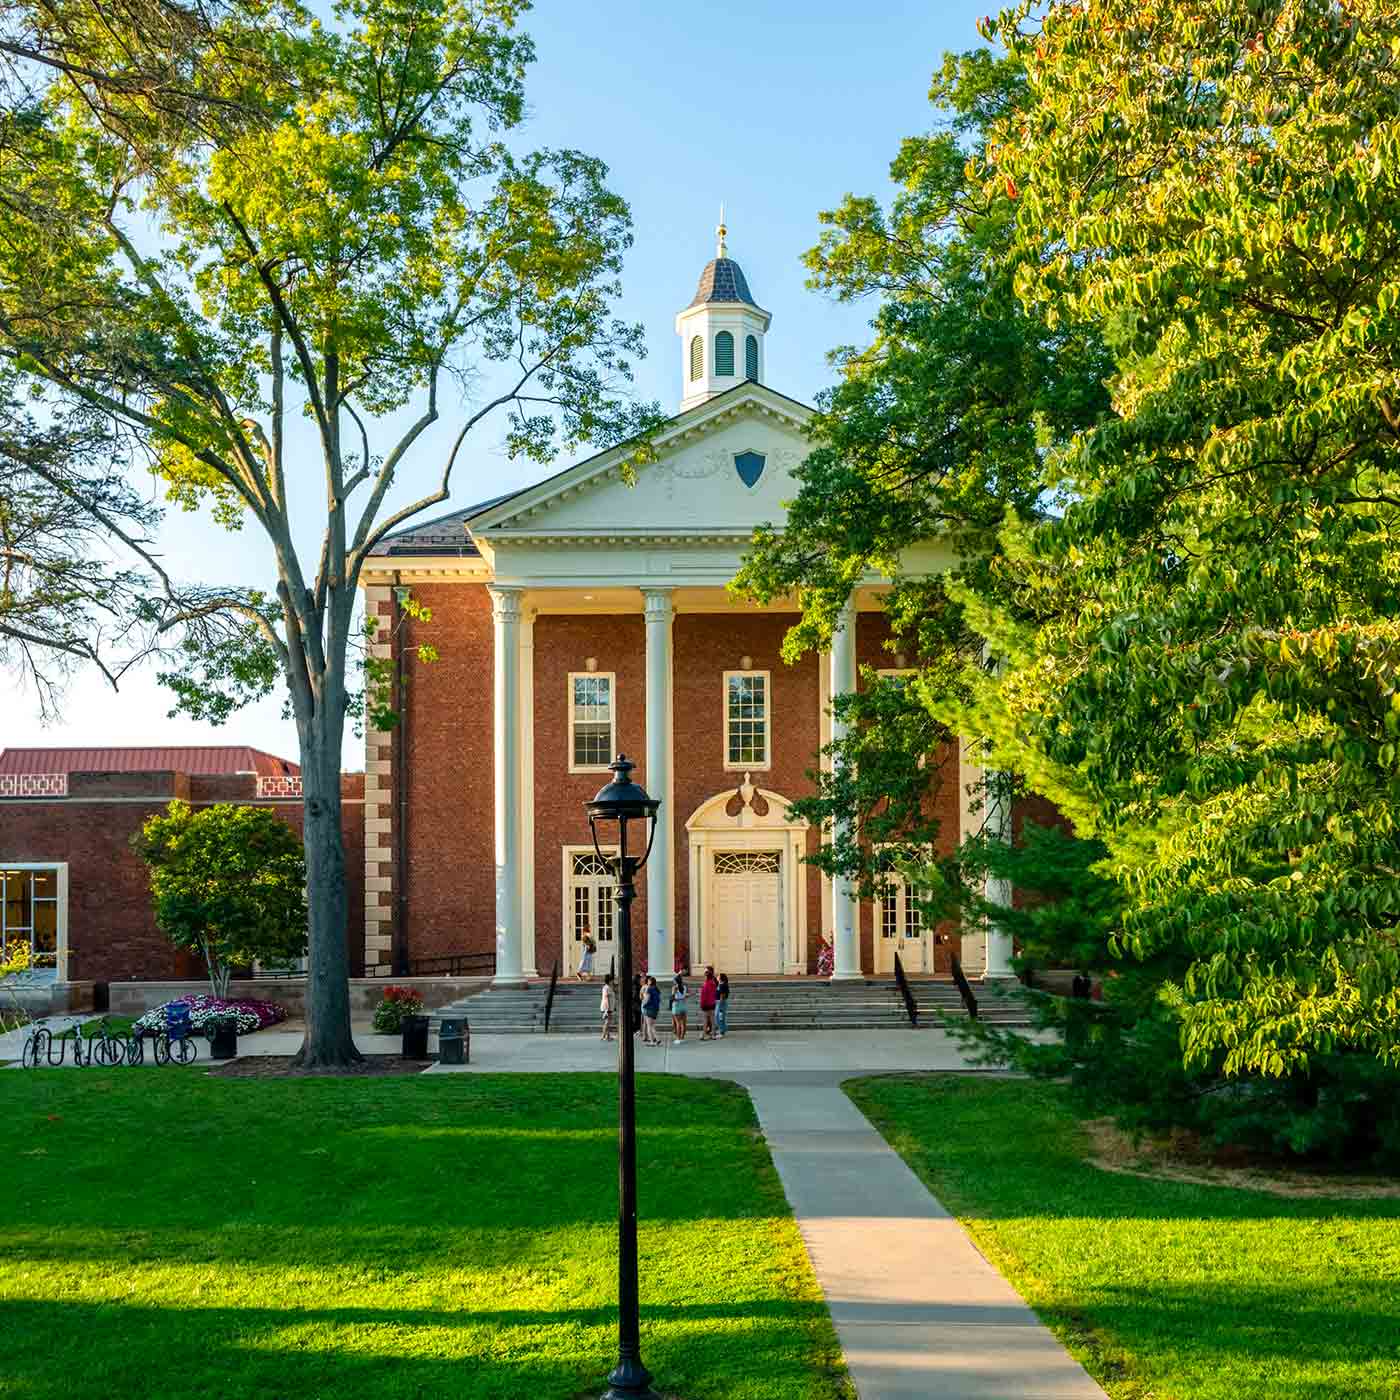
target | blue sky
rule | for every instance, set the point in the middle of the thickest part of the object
(774, 107)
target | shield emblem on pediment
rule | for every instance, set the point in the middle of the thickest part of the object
(749, 465)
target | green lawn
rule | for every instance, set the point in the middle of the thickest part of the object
(1163, 1290)
(165, 1233)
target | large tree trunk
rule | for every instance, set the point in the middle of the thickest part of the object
(328, 1040)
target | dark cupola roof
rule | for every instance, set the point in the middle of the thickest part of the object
(722, 280)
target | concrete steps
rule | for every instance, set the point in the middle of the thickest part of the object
(787, 1004)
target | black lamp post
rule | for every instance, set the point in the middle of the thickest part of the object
(621, 802)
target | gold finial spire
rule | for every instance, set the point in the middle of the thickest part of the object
(720, 250)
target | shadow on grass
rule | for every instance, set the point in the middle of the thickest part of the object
(754, 1349)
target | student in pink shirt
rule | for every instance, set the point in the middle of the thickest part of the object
(709, 997)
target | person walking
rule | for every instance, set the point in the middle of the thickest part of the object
(608, 1007)
(651, 1009)
(635, 1014)
(722, 1006)
(585, 966)
(709, 995)
(678, 1008)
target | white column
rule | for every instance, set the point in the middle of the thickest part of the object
(505, 612)
(845, 910)
(823, 739)
(998, 800)
(527, 793)
(661, 902)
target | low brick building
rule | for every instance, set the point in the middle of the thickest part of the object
(70, 883)
(590, 614)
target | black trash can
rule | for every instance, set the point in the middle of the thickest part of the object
(223, 1039)
(454, 1041)
(415, 1037)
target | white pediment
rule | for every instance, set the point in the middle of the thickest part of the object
(694, 488)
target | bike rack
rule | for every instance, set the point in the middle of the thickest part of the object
(105, 1049)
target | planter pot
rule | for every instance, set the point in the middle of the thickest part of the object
(223, 1042)
(415, 1037)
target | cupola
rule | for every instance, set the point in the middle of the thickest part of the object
(721, 331)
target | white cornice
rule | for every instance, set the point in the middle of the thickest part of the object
(718, 535)
(383, 567)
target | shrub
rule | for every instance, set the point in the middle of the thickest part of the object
(396, 1003)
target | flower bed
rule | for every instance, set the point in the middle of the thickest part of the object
(250, 1015)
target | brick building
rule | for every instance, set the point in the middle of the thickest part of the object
(586, 615)
(70, 884)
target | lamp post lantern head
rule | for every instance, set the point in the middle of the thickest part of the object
(622, 801)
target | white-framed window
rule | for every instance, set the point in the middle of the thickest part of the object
(592, 720)
(33, 910)
(747, 720)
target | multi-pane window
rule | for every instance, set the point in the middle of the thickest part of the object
(697, 357)
(746, 719)
(29, 915)
(591, 718)
(751, 357)
(724, 355)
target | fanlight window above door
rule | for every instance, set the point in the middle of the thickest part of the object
(747, 862)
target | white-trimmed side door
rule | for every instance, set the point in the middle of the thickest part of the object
(899, 928)
(589, 905)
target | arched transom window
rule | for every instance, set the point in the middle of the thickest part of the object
(724, 355)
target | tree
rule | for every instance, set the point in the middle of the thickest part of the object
(76, 576)
(935, 431)
(345, 239)
(1215, 679)
(228, 883)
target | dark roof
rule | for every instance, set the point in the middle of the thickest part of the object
(203, 759)
(444, 534)
(722, 280)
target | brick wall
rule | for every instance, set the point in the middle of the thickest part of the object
(448, 749)
(111, 932)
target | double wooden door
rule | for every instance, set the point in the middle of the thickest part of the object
(748, 929)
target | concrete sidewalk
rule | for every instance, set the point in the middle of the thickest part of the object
(920, 1313)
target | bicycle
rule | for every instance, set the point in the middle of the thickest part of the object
(36, 1047)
